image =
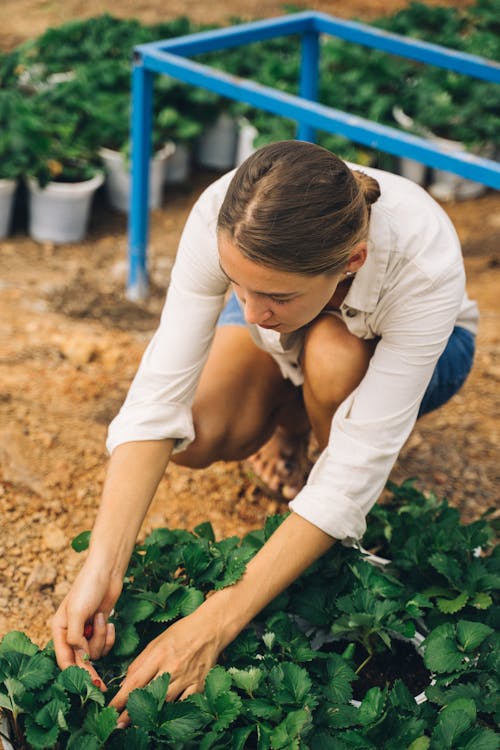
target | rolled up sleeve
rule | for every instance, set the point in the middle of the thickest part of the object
(158, 404)
(371, 426)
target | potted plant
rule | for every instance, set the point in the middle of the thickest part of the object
(67, 171)
(286, 681)
(21, 139)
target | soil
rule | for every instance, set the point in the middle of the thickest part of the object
(402, 662)
(70, 343)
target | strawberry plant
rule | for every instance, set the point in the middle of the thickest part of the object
(287, 682)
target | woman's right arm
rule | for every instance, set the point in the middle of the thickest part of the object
(134, 471)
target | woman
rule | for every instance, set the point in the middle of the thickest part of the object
(348, 317)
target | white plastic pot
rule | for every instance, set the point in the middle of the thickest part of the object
(178, 167)
(7, 192)
(445, 186)
(216, 148)
(417, 641)
(118, 177)
(60, 211)
(247, 133)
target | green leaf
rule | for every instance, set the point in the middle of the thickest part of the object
(226, 709)
(143, 709)
(40, 738)
(340, 677)
(421, 743)
(290, 729)
(223, 705)
(75, 680)
(127, 640)
(239, 737)
(481, 739)
(205, 530)
(452, 722)
(37, 671)
(481, 601)
(158, 688)
(247, 679)
(181, 720)
(450, 606)
(135, 738)
(190, 600)
(291, 683)
(371, 706)
(81, 542)
(19, 642)
(470, 635)
(82, 741)
(447, 566)
(53, 713)
(218, 681)
(342, 716)
(259, 708)
(7, 702)
(440, 650)
(101, 723)
(196, 558)
(139, 610)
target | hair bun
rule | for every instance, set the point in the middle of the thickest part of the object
(368, 186)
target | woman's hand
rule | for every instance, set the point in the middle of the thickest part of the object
(187, 650)
(79, 628)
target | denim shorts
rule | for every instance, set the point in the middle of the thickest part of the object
(450, 372)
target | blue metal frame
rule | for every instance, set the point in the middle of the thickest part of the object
(170, 57)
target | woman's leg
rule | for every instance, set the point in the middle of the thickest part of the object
(238, 401)
(334, 362)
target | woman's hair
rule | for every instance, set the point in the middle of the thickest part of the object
(295, 206)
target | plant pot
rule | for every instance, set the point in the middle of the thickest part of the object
(118, 177)
(416, 642)
(445, 186)
(216, 148)
(413, 170)
(178, 168)
(247, 133)
(7, 192)
(5, 744)
(60, 211)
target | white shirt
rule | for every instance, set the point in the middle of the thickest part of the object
(410, 292)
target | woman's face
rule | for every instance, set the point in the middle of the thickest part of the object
(279, 300)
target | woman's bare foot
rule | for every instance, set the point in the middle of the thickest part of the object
(281, 466)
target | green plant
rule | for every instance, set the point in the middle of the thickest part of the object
(282, 684)
(22, 135)
(71, 129)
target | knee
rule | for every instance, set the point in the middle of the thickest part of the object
(211, 437)
(334, 360)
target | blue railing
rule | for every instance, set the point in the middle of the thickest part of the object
(172, 57)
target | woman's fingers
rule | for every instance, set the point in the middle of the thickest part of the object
(110, 638)
(98, 635)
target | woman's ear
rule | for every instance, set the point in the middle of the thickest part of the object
(357, 258)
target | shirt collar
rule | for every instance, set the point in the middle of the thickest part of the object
(366, 287)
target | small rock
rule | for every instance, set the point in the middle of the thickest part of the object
(42, 576)
(54, 539)
(439, 477)
(79, 349)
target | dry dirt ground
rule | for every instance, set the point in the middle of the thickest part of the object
(70, 343)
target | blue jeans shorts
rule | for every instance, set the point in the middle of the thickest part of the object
(450, 372)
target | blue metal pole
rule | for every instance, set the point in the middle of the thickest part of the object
(309, 74)
(141, 126)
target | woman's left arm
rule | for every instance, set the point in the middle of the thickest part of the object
(190, 648)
